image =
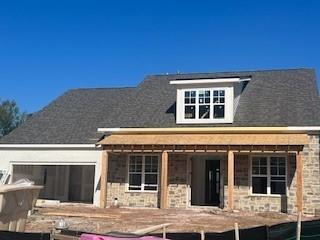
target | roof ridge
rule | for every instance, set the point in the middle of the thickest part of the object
(101, 88)
(230, 72)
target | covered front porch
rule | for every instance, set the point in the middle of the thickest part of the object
(204, 170)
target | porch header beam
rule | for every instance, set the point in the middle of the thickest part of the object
(204, 148)
(214, 139)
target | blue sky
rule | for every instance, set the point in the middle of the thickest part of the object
(48, 47)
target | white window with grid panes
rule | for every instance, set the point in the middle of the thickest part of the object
(219, 103)
(205, 105)
(143, 172)
(268, 175)
(190, 104)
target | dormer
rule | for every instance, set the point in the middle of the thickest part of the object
(205, 101)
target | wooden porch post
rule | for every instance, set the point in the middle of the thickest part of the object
(299, 191)
(103, 179)
(230, 179)
(164, 180)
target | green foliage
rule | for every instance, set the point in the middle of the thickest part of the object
(10, 116)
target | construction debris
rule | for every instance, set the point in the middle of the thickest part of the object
(86, 218)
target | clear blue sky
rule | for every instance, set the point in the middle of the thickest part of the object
(48, 47)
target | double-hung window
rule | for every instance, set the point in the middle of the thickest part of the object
(143, 172)
(190, 104)
(218, 103)
(204, 104)
(268, 175)
(278, 175)
(259, 175)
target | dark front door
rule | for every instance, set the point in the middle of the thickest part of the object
(212, 182)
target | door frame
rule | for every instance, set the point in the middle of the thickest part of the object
(212, 156)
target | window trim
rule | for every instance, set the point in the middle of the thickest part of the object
(142, 173)
(268, 194)
(228, 105)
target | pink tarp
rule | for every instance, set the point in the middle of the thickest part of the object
(99, 237)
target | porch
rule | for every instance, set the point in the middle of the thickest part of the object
(222, 161)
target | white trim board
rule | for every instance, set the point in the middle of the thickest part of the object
(55, 146)
(208, 80)
(305, 128)
(52, 163)
(211, 129)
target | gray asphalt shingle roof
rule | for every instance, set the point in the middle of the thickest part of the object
(271, 98)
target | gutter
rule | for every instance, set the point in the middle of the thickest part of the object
(49, 146)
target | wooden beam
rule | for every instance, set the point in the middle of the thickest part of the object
(164, 180)
(59, 236)
(151, 229)
(202, 148)
(299, 190)
(230, 179)
(103, 179)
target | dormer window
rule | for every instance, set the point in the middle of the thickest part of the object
(206, 100)
(203, 105)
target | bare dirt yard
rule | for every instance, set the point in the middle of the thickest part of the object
(86, 218)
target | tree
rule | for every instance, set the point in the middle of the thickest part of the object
(10, 116)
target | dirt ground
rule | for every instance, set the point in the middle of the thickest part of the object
(86, 218)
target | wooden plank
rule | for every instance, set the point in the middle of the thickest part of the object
(151, 229)
(13, 226)
(230, 179)
(103, 179)
(164, 180)
(299, 226)
(80, 214)
(236, 231)
(59, 236)
(299, 190)
(202, 235)
(21, 225)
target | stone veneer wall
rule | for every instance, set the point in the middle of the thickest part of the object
(242, 199)
(311, 183)
(177, 188)
(311, 175)
(177, 177)
(117, 177)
